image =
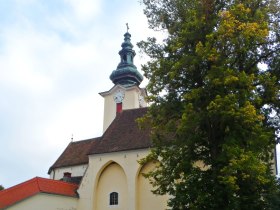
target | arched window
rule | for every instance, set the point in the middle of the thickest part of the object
(114, 198)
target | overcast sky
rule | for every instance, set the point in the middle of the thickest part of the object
(55, 57)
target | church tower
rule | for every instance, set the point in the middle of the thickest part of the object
(126, 93)
(101, 173)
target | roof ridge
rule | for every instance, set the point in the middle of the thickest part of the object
(34, 186)
(91, 139)
(132, 109)
(17, 186)
(34, 179)
(37, 182)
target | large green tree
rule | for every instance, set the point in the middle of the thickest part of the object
(214, 89)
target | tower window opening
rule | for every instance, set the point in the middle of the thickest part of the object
(114, 198)
(124, 58)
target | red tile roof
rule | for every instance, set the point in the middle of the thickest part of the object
(34, 186)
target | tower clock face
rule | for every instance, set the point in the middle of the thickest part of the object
(119, 96)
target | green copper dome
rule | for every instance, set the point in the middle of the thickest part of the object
(126, 73)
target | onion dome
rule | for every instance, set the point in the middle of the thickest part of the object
(126, 73)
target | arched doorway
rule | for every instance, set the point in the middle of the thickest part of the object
(146, 200)
(111, 188)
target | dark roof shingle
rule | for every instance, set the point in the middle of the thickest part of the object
(76, 153)
(123, 134)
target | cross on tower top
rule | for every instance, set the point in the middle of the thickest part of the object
(127, 27)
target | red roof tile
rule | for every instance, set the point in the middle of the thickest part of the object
(34, 186)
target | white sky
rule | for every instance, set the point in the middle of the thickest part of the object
(55, 57)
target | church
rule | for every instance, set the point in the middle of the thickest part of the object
(103, 172)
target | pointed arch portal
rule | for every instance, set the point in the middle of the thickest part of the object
(111, 189)
(145, 198)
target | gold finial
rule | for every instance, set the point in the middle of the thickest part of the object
(127, 27)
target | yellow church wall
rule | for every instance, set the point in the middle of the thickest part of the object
(44, 201)
(146, 200)
(109, 111)
(112, 179)
(130, 101)
(127, 161)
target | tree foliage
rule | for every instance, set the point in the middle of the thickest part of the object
(1, 187)
(214, 89)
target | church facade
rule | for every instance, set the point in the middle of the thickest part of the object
(100, 173)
